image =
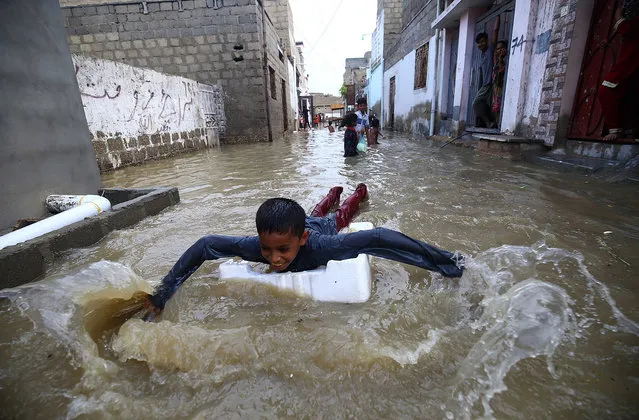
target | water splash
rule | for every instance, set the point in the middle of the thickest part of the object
(520, 316)
(529, 320)
(58, 306)
(406, 356)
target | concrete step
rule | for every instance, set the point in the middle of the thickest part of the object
(508, 147)
(576, 163)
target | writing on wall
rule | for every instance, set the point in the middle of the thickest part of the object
(132, 101)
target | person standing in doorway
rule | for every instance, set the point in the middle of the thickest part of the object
(305, 114)
(374, 131)
(499, 72)
(618, 92)
(484, 71)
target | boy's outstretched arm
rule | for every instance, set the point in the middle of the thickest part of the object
(207, 248)
(389, 244)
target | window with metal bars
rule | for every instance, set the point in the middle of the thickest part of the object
(421, 66)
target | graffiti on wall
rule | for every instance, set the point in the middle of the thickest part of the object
(134, 101)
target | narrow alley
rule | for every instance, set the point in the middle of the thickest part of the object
(549, 292)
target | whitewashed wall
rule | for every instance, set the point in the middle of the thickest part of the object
(133, 101)
(136, 114)
(537, 67)
(410, 102)
(292, 93)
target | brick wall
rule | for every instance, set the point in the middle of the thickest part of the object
(393, 10)
(212, 42)
(417, 32)
(276, 61)
(281, 17)
(555, 73)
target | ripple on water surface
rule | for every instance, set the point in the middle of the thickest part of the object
(540, 325)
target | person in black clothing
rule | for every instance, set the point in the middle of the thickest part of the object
(288, 240)
(307, 123)
(350, 135)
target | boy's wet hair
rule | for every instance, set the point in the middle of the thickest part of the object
(374, 121)
(280, 215)
(481, 36)
(350, 120)
(361, 101)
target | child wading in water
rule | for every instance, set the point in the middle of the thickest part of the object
(374, 131)
(350, 135)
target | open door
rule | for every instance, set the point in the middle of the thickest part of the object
(602, 50)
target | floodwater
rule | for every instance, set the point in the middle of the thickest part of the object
(543, 324)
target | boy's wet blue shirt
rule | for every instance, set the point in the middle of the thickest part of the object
(323, 244)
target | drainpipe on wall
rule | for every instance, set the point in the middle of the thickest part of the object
(265, 68)
(433, 107)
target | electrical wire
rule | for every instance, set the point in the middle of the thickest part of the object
(326, 27)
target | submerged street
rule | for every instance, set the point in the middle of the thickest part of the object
(544, 322)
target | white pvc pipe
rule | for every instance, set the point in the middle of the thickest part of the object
(59, 203)
(89, 205)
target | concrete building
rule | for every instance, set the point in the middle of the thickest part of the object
(231, 43)
(409, 70)
(322, 104)
(554, 65)
(355, 77)
(375, 72)
(302, 76)
(282, 17)
(46, 145)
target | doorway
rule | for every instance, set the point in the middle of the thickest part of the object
(488, 24)
(391, 103)
(601, 53)
(284, 106)
(450, 95)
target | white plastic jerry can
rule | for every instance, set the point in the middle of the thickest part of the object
(348, 281)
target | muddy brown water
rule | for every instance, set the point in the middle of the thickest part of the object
(543, 324)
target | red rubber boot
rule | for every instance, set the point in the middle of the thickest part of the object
(332, 198)
(349, 207)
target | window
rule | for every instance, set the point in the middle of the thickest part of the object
(273, 83)
(421, 66)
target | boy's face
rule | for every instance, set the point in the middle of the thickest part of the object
(280, 249)
(362, 107)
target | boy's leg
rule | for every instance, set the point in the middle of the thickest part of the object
(323, 207)
(349, 207)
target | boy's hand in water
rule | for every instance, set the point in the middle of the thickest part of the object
(150, 310)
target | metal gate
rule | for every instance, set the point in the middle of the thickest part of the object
(487, 24)
(601, 53)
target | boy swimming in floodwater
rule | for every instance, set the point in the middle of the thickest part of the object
(288, 240)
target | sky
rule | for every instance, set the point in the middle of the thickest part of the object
(332, 30)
